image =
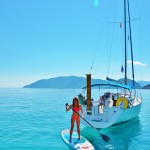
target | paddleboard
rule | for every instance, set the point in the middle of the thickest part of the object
(81, 144)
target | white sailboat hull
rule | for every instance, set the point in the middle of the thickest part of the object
(110, 116)
(129, 114)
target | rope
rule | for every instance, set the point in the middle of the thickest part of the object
(141, 45)
(141, 50)
(116, 59)
(98, 41)
(136, 19)
(111, 44)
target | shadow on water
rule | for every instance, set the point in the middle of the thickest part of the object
(122, 137)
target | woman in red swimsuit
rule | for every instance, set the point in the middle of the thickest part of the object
(75, 117)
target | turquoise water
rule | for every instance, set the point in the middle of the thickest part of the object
(34, 118)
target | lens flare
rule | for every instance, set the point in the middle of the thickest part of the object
(96, 3)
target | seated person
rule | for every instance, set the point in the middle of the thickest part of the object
(102, 102)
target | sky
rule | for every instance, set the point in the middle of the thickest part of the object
(42, 39)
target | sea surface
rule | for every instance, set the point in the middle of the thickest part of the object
(32, 119)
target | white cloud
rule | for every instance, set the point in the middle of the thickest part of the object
(137, 63)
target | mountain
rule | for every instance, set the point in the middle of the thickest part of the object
(146, 87)
(143, 83)
(65, 82)
(130, 82)
(68, 82)
(59, 82)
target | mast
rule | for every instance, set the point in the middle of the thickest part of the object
(125, 42)
(131, 43)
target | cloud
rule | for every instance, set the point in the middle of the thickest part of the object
(137, 63)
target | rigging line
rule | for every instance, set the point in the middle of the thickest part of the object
(138, 10)
(107, 42)
(126, 21)
(112, 41)
(107, 50)
(141, 45)
(102, 26)
(116, 59)
(122, 47)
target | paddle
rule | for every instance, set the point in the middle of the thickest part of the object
(104, 137)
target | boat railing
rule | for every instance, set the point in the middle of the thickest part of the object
(138, 100)
(131, 102)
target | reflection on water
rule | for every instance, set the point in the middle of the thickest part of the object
(122, 137)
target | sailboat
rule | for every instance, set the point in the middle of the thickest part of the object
(118, 105)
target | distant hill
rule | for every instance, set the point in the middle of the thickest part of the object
(68, 82)
(143, 83)
(146, 87)
(59, 82)
(65, 82)
(130, 82)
